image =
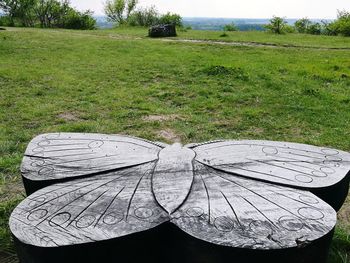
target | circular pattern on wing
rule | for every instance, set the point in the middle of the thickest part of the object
(311, 213)
(195, 212)
(290, 223)
(303, 178)
(270, 150)
(37, 214)
(224, 223)
(308, 199)
(85, 221)
(143, 213)
(60, 219)
(113, 218)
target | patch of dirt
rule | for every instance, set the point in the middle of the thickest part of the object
(68, 116)
(161, 118)
(119, 36)
(169, 135)
(344, 214)
(256, 130)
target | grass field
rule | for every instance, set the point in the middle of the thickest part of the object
(119, 81)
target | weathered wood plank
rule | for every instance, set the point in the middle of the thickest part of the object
(132, 200)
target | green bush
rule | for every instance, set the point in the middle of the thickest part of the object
(144, 17)
(230, 27)
(44, 13)
(5, 21)
(150, 16)
(328, 29)
(288, 29)
(277, 25)
(342, 25)
(173, 19)
(78, 20)
(302, 25)
(314, 29)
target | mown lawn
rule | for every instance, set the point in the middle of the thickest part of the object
(119, 81)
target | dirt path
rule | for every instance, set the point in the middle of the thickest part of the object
(250, 44)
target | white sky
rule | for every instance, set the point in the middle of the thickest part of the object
(234, 8)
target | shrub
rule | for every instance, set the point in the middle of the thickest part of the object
(314, 29)
(144, 17)
(289, 29)
(78, 20)
(277, 25)
(302, 25)
(230, 27)
(328, 29)
(173, 19)
(5, 21)
(342, 24)
(45, 13)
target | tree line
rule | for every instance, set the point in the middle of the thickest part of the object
(340, 26)
(45, 14)
(126, 12)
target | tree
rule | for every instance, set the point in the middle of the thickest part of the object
(10, 8)
(314, 29)
(51, 13)
(302, 25)
(19, 11)
(277, 25)
(25, 12)
(131, 5)
(342, 24)
(144, 17)
(79, 20)
(230, 27)
(173, 19)
(119, 11)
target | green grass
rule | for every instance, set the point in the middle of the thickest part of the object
(110, 81)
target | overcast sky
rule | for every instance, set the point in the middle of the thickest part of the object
(234, 8)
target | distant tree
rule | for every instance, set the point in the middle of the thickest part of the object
(10, 8)
(328, 28)
(277, 25)
(230, 27)
(302, 25)
(79, 20)
(130, 7)
(144, 17)
(20, 11)
(46, 13)
(314, 29)
(169, 18)
(342, 24)
(288, 29)
(119, 11)
(52, 13)
(26, 13)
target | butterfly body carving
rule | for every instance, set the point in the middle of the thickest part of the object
(250, 195)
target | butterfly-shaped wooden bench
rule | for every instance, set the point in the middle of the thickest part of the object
(105, 198)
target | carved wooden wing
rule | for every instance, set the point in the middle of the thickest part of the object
(88, 210)
(102, 194)
(323, 171)
(55, 157)
(232, 211)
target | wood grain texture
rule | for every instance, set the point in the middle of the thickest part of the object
(245, 196)
(289, 164)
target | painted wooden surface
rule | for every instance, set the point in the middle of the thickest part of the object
(248, 195)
